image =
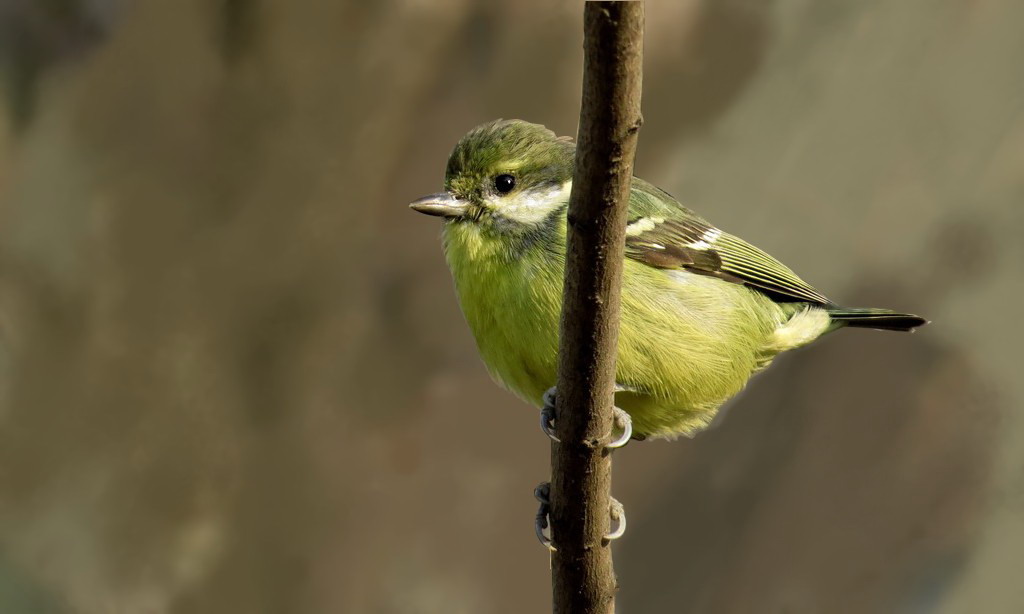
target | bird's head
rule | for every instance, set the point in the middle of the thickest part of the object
(506, 176)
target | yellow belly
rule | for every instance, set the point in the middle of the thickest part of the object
(686, 343)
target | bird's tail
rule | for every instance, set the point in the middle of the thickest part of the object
(869, 317)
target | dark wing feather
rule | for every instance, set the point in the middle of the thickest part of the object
(694, 245)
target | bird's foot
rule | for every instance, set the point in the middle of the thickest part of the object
(618, 515)
(547, 414)
(542, 524)
(621, 420)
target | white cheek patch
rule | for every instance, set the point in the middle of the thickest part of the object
(534, 206)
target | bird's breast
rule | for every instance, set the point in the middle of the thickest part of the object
(512, 303)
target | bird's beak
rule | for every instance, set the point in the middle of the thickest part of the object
(442, 204)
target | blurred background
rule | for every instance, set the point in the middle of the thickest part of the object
(234, 376)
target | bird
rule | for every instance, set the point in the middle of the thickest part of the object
(702, 310)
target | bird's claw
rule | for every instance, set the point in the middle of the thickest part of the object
(542, 523)
(622, 420)
(547, 415)
(543, 494)
(618, 516)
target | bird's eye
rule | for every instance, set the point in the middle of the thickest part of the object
(504, 183)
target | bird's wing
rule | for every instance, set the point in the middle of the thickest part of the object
(665, 235)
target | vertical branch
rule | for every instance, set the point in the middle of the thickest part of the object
(582, 575)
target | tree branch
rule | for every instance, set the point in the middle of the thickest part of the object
(582, 575)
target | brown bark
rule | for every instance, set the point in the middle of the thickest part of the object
(582, 575)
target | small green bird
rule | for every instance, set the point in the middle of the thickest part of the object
(702, 310)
